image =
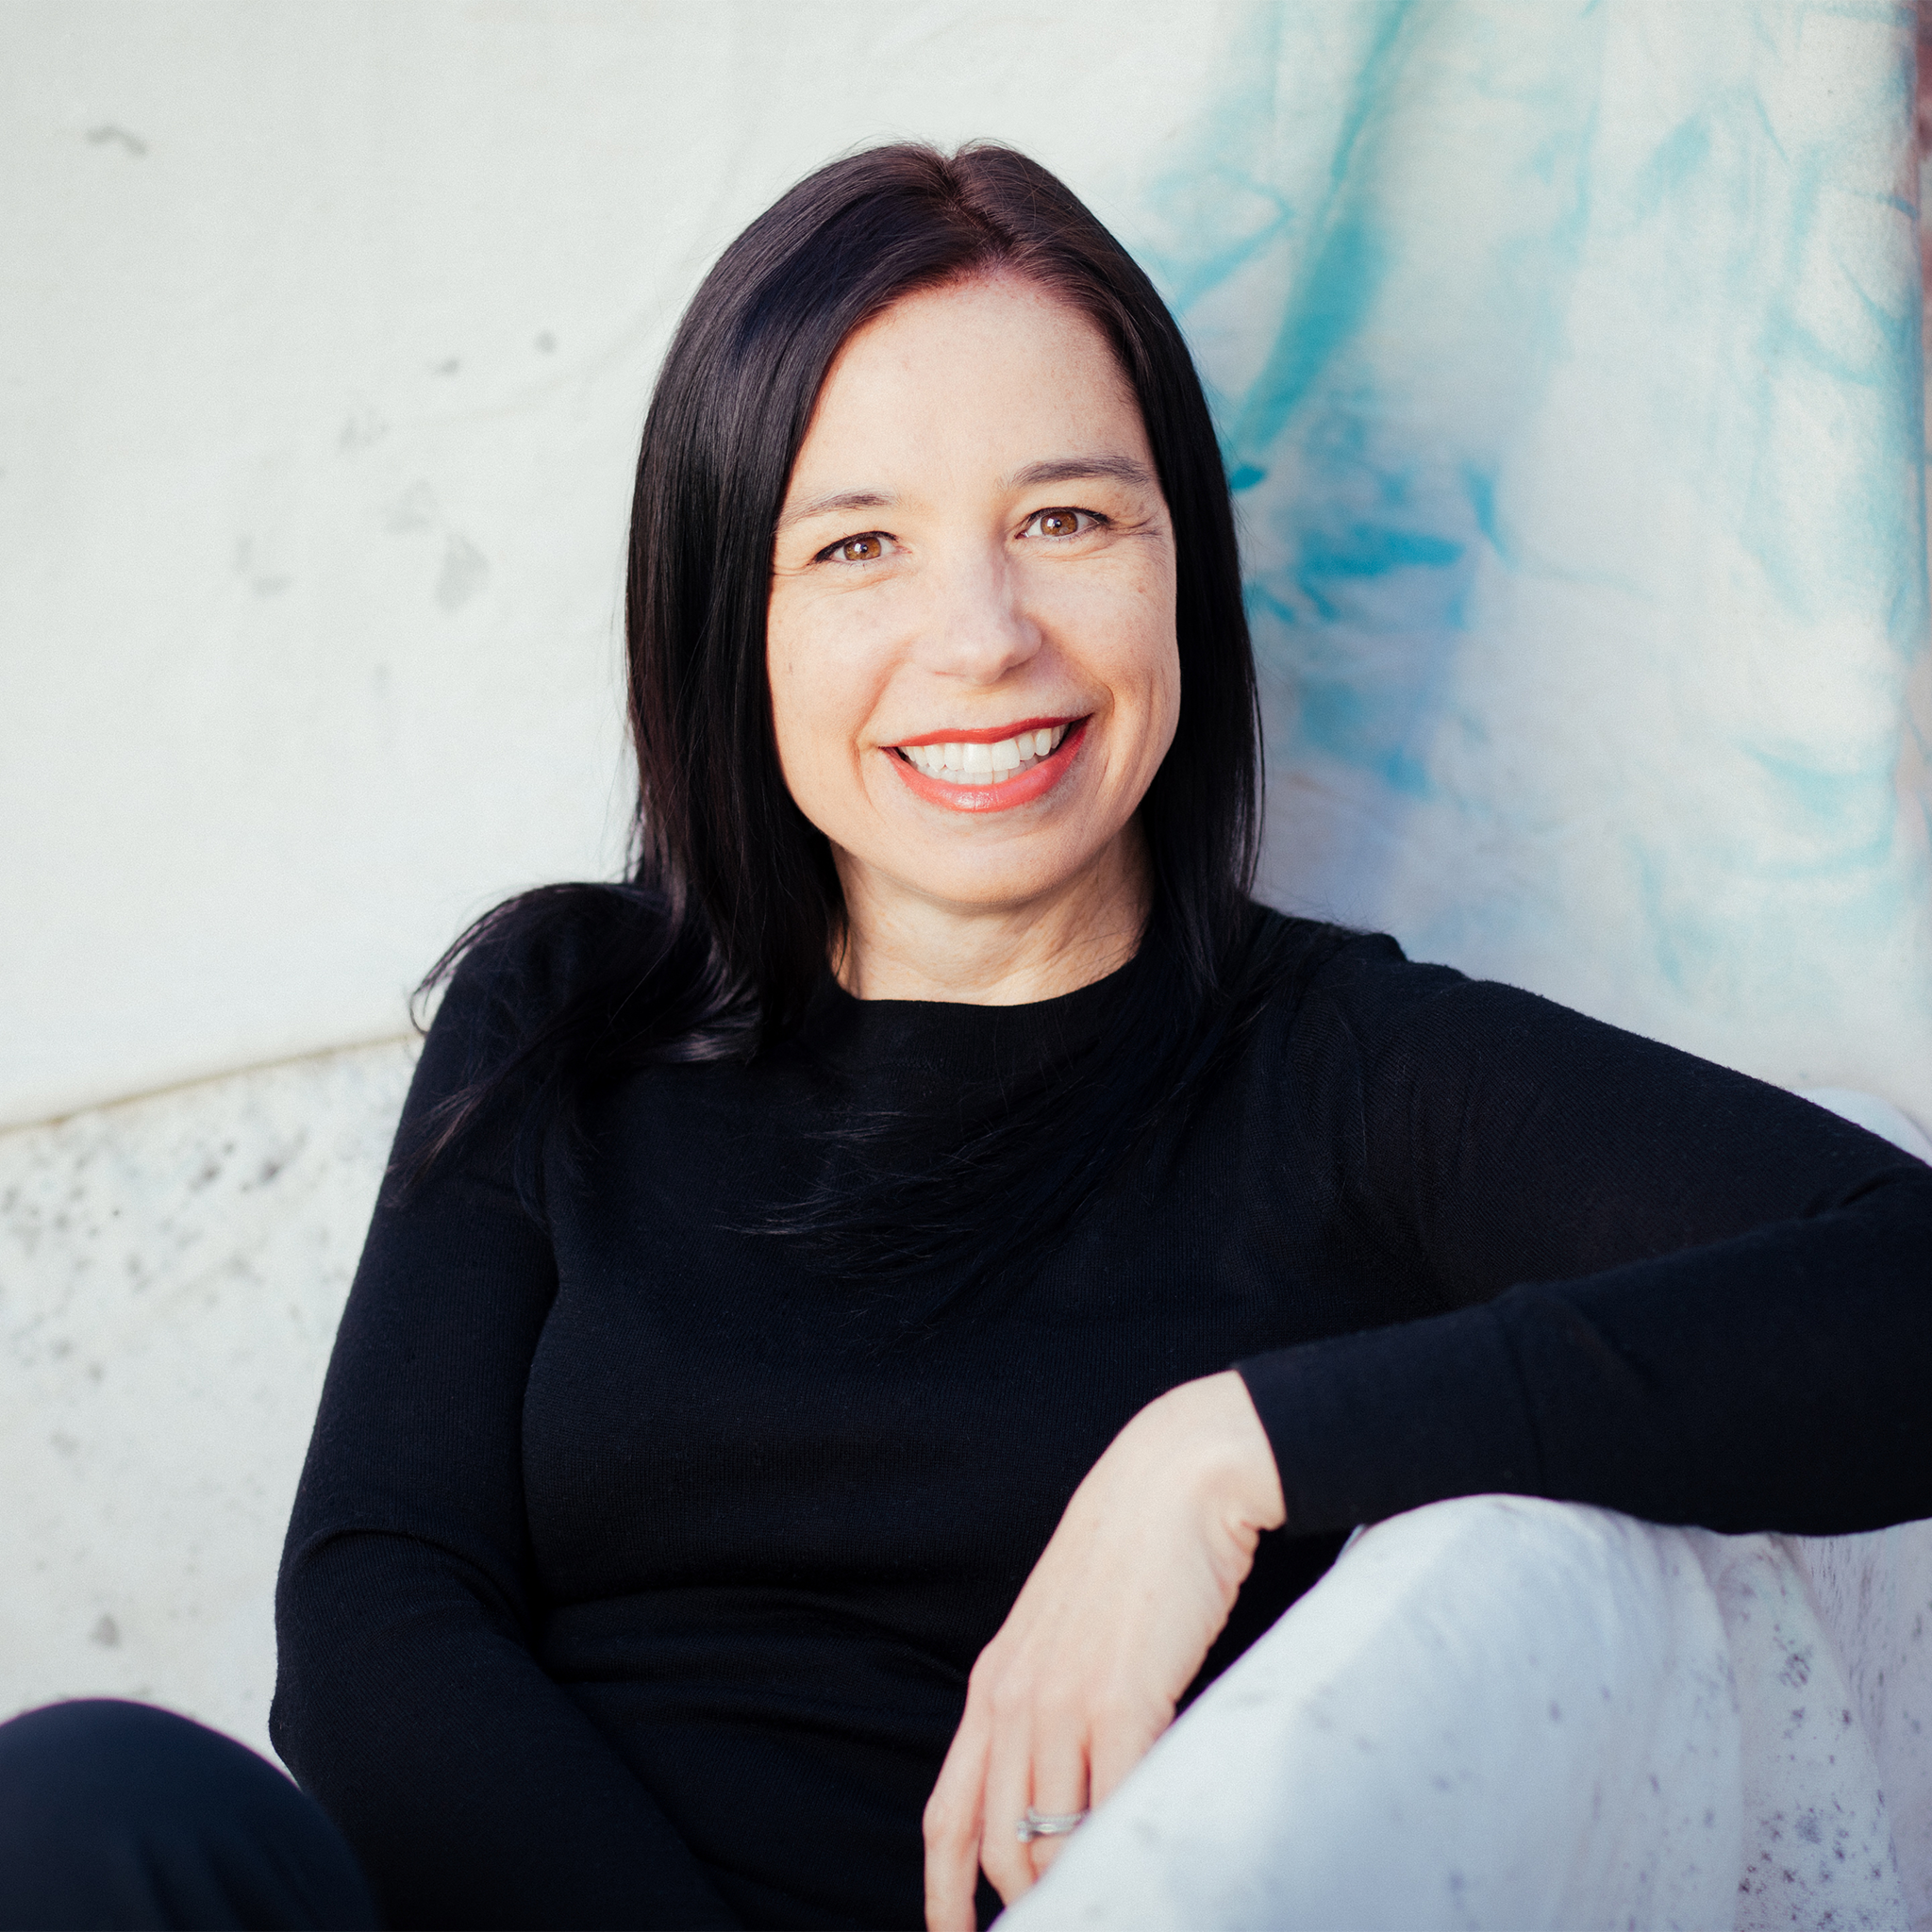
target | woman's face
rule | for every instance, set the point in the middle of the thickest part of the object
(972, 646)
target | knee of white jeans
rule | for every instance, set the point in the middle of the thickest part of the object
(1495, 1710)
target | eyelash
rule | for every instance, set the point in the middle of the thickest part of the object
(1095, 521)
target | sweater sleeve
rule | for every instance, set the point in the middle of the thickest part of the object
(1668, 1288)
(408, 1700)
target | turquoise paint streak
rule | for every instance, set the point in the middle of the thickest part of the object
(1379, 393)
(1365, 550)
(1338, 718)
(1352, 526)
(1671, 171)
(1334, 294)
(1836, 824)
(1339, 291)
(1480, 482)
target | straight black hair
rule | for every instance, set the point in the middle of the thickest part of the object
(732, 910)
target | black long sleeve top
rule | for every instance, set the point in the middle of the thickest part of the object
(631, 1582)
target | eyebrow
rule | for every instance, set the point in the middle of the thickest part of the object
(843, 499)
(1055, 469)
(1079, 469)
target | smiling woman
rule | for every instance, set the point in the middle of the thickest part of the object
(874, 1312)
(909, 662)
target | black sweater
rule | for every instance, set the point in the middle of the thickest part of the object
(632, 1582)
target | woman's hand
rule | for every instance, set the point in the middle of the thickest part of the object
(1110, 1628)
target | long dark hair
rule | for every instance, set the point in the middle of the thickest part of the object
(724, 929)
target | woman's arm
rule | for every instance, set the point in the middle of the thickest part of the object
(1107, 1632)
(408, 1700)
(1674, 1291)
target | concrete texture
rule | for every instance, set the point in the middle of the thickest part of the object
(171, 1276)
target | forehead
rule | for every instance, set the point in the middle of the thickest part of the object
(993, 370)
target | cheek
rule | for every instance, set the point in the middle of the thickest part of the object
(1160, 649)
(800, 649)
(822, 694)
(1147, 671)
(1127, 639)
(798, 697)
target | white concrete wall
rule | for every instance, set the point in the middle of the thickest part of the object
(171, 1270)
(326, 334)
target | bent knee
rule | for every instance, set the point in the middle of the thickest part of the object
(103, 1757)
(119, 1813)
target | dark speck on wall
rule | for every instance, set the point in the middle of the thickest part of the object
(108, 135)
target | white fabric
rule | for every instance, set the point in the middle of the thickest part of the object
(1502, 1712)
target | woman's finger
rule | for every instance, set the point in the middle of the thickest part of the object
(1009, 1784)
(953, 1829)
(1060, 1773)
(1108, 1629)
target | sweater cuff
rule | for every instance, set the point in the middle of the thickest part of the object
(1367, 1425)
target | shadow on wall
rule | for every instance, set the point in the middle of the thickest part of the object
(1581, 493)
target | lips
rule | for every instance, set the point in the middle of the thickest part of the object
(989, 772)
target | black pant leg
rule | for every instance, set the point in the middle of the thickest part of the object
(120, 1815)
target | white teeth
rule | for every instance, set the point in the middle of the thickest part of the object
(961, 763)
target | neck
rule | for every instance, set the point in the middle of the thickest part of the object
(901, 945)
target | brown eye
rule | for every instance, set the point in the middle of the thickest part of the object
(1057, 522)
(858, 549)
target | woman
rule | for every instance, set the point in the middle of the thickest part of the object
(868, 1316)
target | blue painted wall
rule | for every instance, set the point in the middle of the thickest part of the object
(1567, 358)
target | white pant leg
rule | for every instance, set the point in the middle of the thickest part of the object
(1492, 1712)
(1500, 1712)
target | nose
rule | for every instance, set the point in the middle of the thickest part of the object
(972, 626)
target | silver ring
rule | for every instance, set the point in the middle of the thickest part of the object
(1034, 1824)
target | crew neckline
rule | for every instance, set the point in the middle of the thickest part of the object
(831, 982)
(841, 1027)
